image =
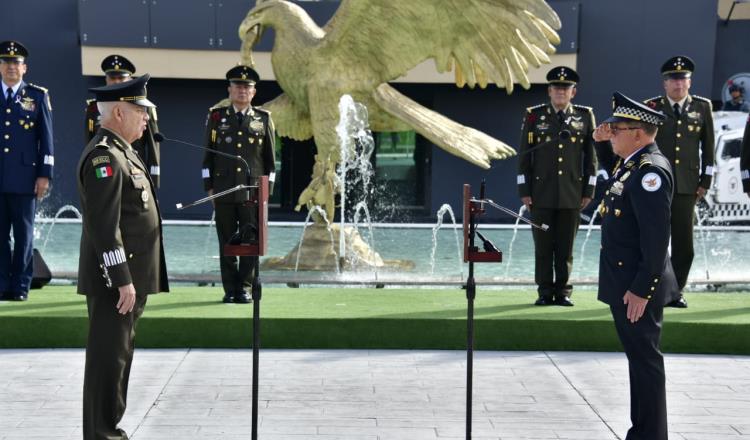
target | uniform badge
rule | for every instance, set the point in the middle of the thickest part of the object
(223, 127)
(257, 125)
(28, 104)
(228, 139)
(617, 212)
(690, 128)
(103, 172)
(144, 196)
(543, 126)
(694, 115)
(625, 176)
(617, 188)
(98, 160)
(541, 118)
(651, 182)
(578, 125)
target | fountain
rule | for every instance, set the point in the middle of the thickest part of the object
(521, 211)
(53, 221)
(445, 208)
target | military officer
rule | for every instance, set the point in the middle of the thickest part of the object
(738, 103)
(240, 129)
(26, 163)
(117, 69)
(556, 179)
(687, 140)
(635, 273)
(122, 256)
(745, 159)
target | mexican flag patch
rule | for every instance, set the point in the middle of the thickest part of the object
(104, 171)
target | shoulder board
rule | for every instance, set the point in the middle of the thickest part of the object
(700, 98)
(529, 109)
(655, 98)
(103, 143)
(40, 88)
(90, 101)
(582, 107)
(261, 110)
(646, 160)
(216, 107)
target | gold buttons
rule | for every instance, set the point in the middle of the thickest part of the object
(7, 110)
(7, 136)
(7, 123)
(653, 288)
(239, 169)
(252, 140)
(679, 135)
(677, 161)
(656, 280)
(559, 172)
(679, 122)
(239, 144)
(560, 146)
(130, 256)
(260, 141)
(239, 133)
(559, 159)
(619, 263)
(606, 193)
(648, 297)
(6, 149)
(676, 148)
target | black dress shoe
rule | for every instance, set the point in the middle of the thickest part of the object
(228, 298)
(242, 297)
(563, 301)
(679, 303)
(544, 301)
(20, 296)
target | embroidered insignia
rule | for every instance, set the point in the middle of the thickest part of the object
(578, 125)
(28, 104)
(144, 196)
(98, 160)
(103, 171)
(543, 126)
(694, 115)
(625, 176)
(617, 188)
(651, 182)
(257, 125)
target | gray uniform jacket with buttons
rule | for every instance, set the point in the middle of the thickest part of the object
(561, 171)
(635, 230)
(121, 240)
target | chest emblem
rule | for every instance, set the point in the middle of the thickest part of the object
(257, 125)
(542, 126)
(28, 104)
(651, 182)
(617, 188)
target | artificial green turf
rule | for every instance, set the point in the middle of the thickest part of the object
(338, 317)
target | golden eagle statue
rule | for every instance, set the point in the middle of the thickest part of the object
(370, 42)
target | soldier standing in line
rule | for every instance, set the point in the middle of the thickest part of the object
(117, 69)
(636, 278)
(745, 159)
(687, 140)
(122, 256)
(556, 180)
(26, 164)
(243, 130)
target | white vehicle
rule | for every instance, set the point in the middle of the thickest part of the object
(726, 202)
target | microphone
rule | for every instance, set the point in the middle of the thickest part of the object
(159, 137)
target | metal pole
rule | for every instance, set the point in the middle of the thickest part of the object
(470, 295)
(256, 294)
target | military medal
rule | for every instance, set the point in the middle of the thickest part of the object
(625, 176)
(257, 125)
(690, 127)
(578, 125)
(694, 115)
(28, 104)
(617, 188)
(543, 126)
(617, 212)
(228, 139)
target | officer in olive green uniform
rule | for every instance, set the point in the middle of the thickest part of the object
(745, 159)
(556, 179)
(121, 255)
(117, 69)
(247, 131)
(687, 140)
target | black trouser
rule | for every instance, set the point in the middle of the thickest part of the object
(229, 218)
(648, 397)
(554, 249)
(109, 355)
(683, 215)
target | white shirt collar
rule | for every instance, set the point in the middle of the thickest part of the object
(633, 154)
(244, 112)
(681, 102)
(14, 88)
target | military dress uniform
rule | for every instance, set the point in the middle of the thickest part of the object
(745, 158)
(687, 139)
(27, 154)
(148, 148)
(252, 137)
(557, 175)
(635, 236)
(121, 243)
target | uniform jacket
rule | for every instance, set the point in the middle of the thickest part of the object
(563, 171)
(253, 140)
(688, 142)
(745, 158)
(148, 149)
(635, 230)
(26, 139)
(121, 240)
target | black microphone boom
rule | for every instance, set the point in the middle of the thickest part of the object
(158, 137)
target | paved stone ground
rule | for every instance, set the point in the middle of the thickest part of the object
(374, 394)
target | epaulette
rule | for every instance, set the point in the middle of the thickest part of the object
(645, 161)
(534, 107)
(103, 144)
(214, 108)
(90, 101)
(40, 88)
(262, 110)
(701, 98)
(654, 98)
(583, 107)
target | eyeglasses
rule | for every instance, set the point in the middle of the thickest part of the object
(614, 130)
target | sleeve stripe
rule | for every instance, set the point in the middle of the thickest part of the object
(521, 179)
(49, 160)
(206, 173)
(113, 257)
(155, 170)
(709, 170)
(272, 176)
(745, 174)
(592, 180)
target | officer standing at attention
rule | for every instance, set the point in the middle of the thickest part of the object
(26, 163)
(635, 274)
(738, 103)
(117, 69)
(242, 130)
(687, 140)
(556, 180)
(122, 256)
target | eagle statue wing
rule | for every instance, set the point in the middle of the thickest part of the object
(485, 40)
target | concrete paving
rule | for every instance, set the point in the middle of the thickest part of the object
(374, 394)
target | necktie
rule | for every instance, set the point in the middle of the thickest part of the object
(240, 117)
(9, 97)
(560, 117)
(676, 108)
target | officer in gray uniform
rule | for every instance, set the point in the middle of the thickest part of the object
(122, 256)
(242, 130)
(745, 159)
(117, 69)
(687, 139)
(635, 273)
(556, 180)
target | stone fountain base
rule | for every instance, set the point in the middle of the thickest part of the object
(320, 252)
